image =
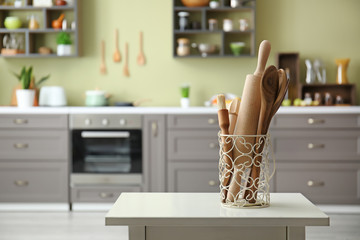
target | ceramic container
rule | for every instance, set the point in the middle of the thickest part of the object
(12, 22)
(237, 47)
(25, 97)
(95, 98)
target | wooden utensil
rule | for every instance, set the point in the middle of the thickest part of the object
(141, 56)
(269, 90)
(103, 69)
(117, 55)
(283, 87)
(248, 117)
(233, 114)
(224, 122)
(126, 68)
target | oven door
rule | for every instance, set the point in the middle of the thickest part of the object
(106, 151)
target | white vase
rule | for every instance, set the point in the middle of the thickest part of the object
(63, 50)
(25, 97)
(185, 102)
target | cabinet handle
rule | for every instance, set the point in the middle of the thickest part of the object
(20, 121)
(106, 195)
(312, 121)
(211, 121)
(212, 183)
(311, 183)
(315, 146)
(154, 127)
(212, 145)
(21, 183)
(21, 145)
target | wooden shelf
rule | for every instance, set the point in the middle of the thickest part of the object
(218, 37)
(346, 91)
(33, 39)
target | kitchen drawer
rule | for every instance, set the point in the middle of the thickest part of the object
(316, 121)
(321, 183)
(322, 144)
(96, 193)
(184, 145)
(29, 121)
(193, 121)
(193, 177)
(107, 121)
(33, 182)
(31, 144)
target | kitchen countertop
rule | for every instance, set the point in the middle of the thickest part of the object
(167, 110)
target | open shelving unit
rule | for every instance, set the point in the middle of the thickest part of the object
(45, 35)
(219, 37)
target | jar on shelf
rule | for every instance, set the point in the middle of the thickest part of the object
(183, 48)
(227, 25)
(183, 20)
(213, 24)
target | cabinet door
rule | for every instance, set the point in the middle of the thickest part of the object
(154, 153)
(328, 183)
(193, 177)
(33, 182)
(36, 145)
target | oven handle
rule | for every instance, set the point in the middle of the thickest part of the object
(116, 134)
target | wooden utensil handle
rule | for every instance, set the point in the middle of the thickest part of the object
(263, 55)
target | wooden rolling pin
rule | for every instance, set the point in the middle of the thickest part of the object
(224, 122)
(248, 117)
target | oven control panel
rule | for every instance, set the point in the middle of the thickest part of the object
(99, 121)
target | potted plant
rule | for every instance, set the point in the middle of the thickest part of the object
(25, 96)
(185, 94)
(64, 42)
(23, 78)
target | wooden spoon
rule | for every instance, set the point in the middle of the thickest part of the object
(269, 90)
(233, 114)
(283, 87)
(126, 68)
(117, 55)
(141, 56)
(102, 65)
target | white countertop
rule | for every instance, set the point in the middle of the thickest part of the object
(205, 209)
(167, 110)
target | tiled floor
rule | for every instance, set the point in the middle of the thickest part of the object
(41, 222)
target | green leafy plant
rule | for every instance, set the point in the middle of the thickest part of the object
(26, 75)
(185, 90)
(63, 38)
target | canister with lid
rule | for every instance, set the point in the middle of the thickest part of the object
(227, 25)
(183, 48)
(213, 24)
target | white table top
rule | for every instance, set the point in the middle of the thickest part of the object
(204, 209)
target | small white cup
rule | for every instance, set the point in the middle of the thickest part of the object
(185, 102)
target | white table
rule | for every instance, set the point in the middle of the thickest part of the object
(200, 216)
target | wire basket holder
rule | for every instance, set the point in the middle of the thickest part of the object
(244, 171)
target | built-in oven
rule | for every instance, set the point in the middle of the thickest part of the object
(106, 149)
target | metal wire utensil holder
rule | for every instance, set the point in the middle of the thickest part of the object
(244, 170)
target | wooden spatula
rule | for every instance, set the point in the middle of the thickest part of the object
(102, 65)
(126, 67)
(269, 92)
(233, 114)
(117, 55)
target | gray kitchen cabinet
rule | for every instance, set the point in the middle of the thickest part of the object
(34, 158)
(318, 155)
(154, 139)
(192, 153)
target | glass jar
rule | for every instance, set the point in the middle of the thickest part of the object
(183, 20)
(183, 48)
(213, 24)
(227, 25)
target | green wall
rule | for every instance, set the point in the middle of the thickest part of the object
(325, 29)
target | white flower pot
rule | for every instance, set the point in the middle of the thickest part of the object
(214, 4)
(25, 97)
(185, 102)
(63, 50)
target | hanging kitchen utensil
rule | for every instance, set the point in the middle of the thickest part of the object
(141, 56)
(117, 55)
(103, 66)
(126, 67)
